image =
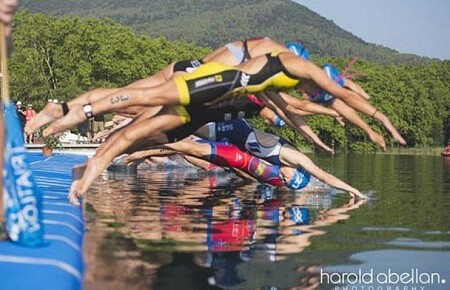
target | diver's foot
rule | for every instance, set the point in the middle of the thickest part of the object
(51, 112)
(73, 117)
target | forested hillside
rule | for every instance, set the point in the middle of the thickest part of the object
(215, 22)
(60, 58)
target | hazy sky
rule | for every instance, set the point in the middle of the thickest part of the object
(419, 27)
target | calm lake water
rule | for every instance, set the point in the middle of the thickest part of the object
(178, 227)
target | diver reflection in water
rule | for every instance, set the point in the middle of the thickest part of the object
(276, 233)
(240, 232)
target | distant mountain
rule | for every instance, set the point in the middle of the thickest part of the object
(214, 23)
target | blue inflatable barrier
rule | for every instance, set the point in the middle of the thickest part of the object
(59, 263)
(22, 198)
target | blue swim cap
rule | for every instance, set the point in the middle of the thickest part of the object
(332, 73)
(299, 215)
(300, 179)
(278, 122)
(298, 50)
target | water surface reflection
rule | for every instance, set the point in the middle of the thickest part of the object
(181, 228)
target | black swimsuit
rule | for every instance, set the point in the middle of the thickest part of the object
(187, 65)
(245, 107)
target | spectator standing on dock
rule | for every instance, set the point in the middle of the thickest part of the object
(30, 113)
(84, 131)
(22, 117)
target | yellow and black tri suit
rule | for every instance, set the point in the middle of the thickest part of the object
(213, 82)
